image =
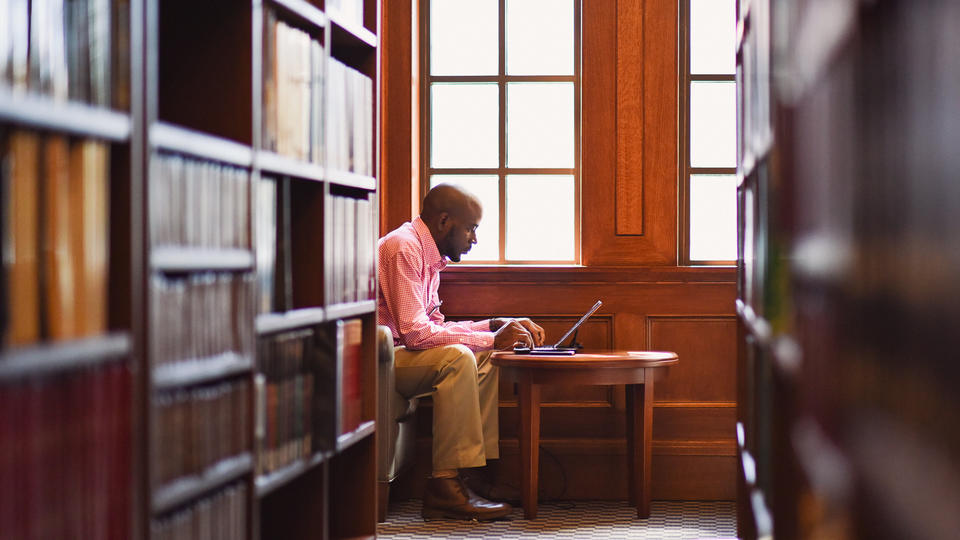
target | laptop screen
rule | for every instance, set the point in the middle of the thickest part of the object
(581, 321)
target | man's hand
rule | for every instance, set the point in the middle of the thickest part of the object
(532, 333)
(535, 331)
(511, 334)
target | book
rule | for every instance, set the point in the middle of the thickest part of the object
(284, 400)
(14, 44)
(89, 194)
(59, 259)
(21, 237)
(196, 429)
(266, 231)
(351, 382)
(65, 468)
(292, 91)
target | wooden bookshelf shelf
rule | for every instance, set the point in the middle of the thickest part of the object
(302, 10)
(352, 309)
(50, 358)
(181, 140)
(273, 323)
(758, 327)
(189, 259)
(184, 490)
(348, 33)
(75, 118)
(268, 483)
(276, 164)
(349, 439)
(349, 179)
(203, 370)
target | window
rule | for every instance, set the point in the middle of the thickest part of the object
(501, 118)
(709, 145)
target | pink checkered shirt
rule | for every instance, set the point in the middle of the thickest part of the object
(409, 267)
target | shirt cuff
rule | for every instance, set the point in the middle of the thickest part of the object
(485, 341)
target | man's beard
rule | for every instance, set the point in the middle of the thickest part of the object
(452, 254)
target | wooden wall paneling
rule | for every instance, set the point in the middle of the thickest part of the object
(644, 172)
(707, 347)
(400, 139)
(583, 429)
(630, 117)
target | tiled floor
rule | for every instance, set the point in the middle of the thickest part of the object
(582, 520)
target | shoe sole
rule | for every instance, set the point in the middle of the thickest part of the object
(438, 513)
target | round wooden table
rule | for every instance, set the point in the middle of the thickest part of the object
(635, 369)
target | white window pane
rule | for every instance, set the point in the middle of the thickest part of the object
(540, 218)
(713, 34)
(463, 37)
(540, 125)
(713, 124)
(539, 37)
(464, 122)
(713, 217)
(487, 189)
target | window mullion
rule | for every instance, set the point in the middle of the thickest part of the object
(502, 86)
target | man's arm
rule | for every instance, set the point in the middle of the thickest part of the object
(403, 291)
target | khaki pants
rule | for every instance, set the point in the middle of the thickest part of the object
(465, 404)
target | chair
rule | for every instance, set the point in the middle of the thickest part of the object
(396, 428)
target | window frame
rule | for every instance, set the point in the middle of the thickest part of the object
(502, 171)
(686, 170)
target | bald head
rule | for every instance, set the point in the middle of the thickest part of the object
(448, 198)
(452, 214)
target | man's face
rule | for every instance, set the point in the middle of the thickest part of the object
(461, 234)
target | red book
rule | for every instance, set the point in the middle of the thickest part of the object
(351, 390)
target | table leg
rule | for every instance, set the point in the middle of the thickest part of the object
(632, 457)
(529, 445)
(640, 431)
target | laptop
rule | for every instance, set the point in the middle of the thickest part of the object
(558, 348)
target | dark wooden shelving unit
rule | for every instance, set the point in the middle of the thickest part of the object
(43, 113)
(184, 490)
(48, 359)
(200, 371)
(847, 299)
(195, 97)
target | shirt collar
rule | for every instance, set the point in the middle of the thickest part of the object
(431, 255)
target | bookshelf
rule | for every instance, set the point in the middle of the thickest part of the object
(221, 360)
(847, 300)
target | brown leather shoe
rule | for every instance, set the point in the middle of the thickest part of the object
(450, 498)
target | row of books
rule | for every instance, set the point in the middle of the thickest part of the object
(349, 119)
(54, 206)
(309, 391)
(198, 203)
(286, 364)
(198, 427)
(65, 460)
(350, 230)
(222, 516)
(292, 91)
(353, 276)
(200, 316)
(67, 49)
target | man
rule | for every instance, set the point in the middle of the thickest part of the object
(448, 359)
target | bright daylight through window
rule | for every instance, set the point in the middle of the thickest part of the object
(502, 90)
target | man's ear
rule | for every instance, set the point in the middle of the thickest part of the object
(443, 221)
